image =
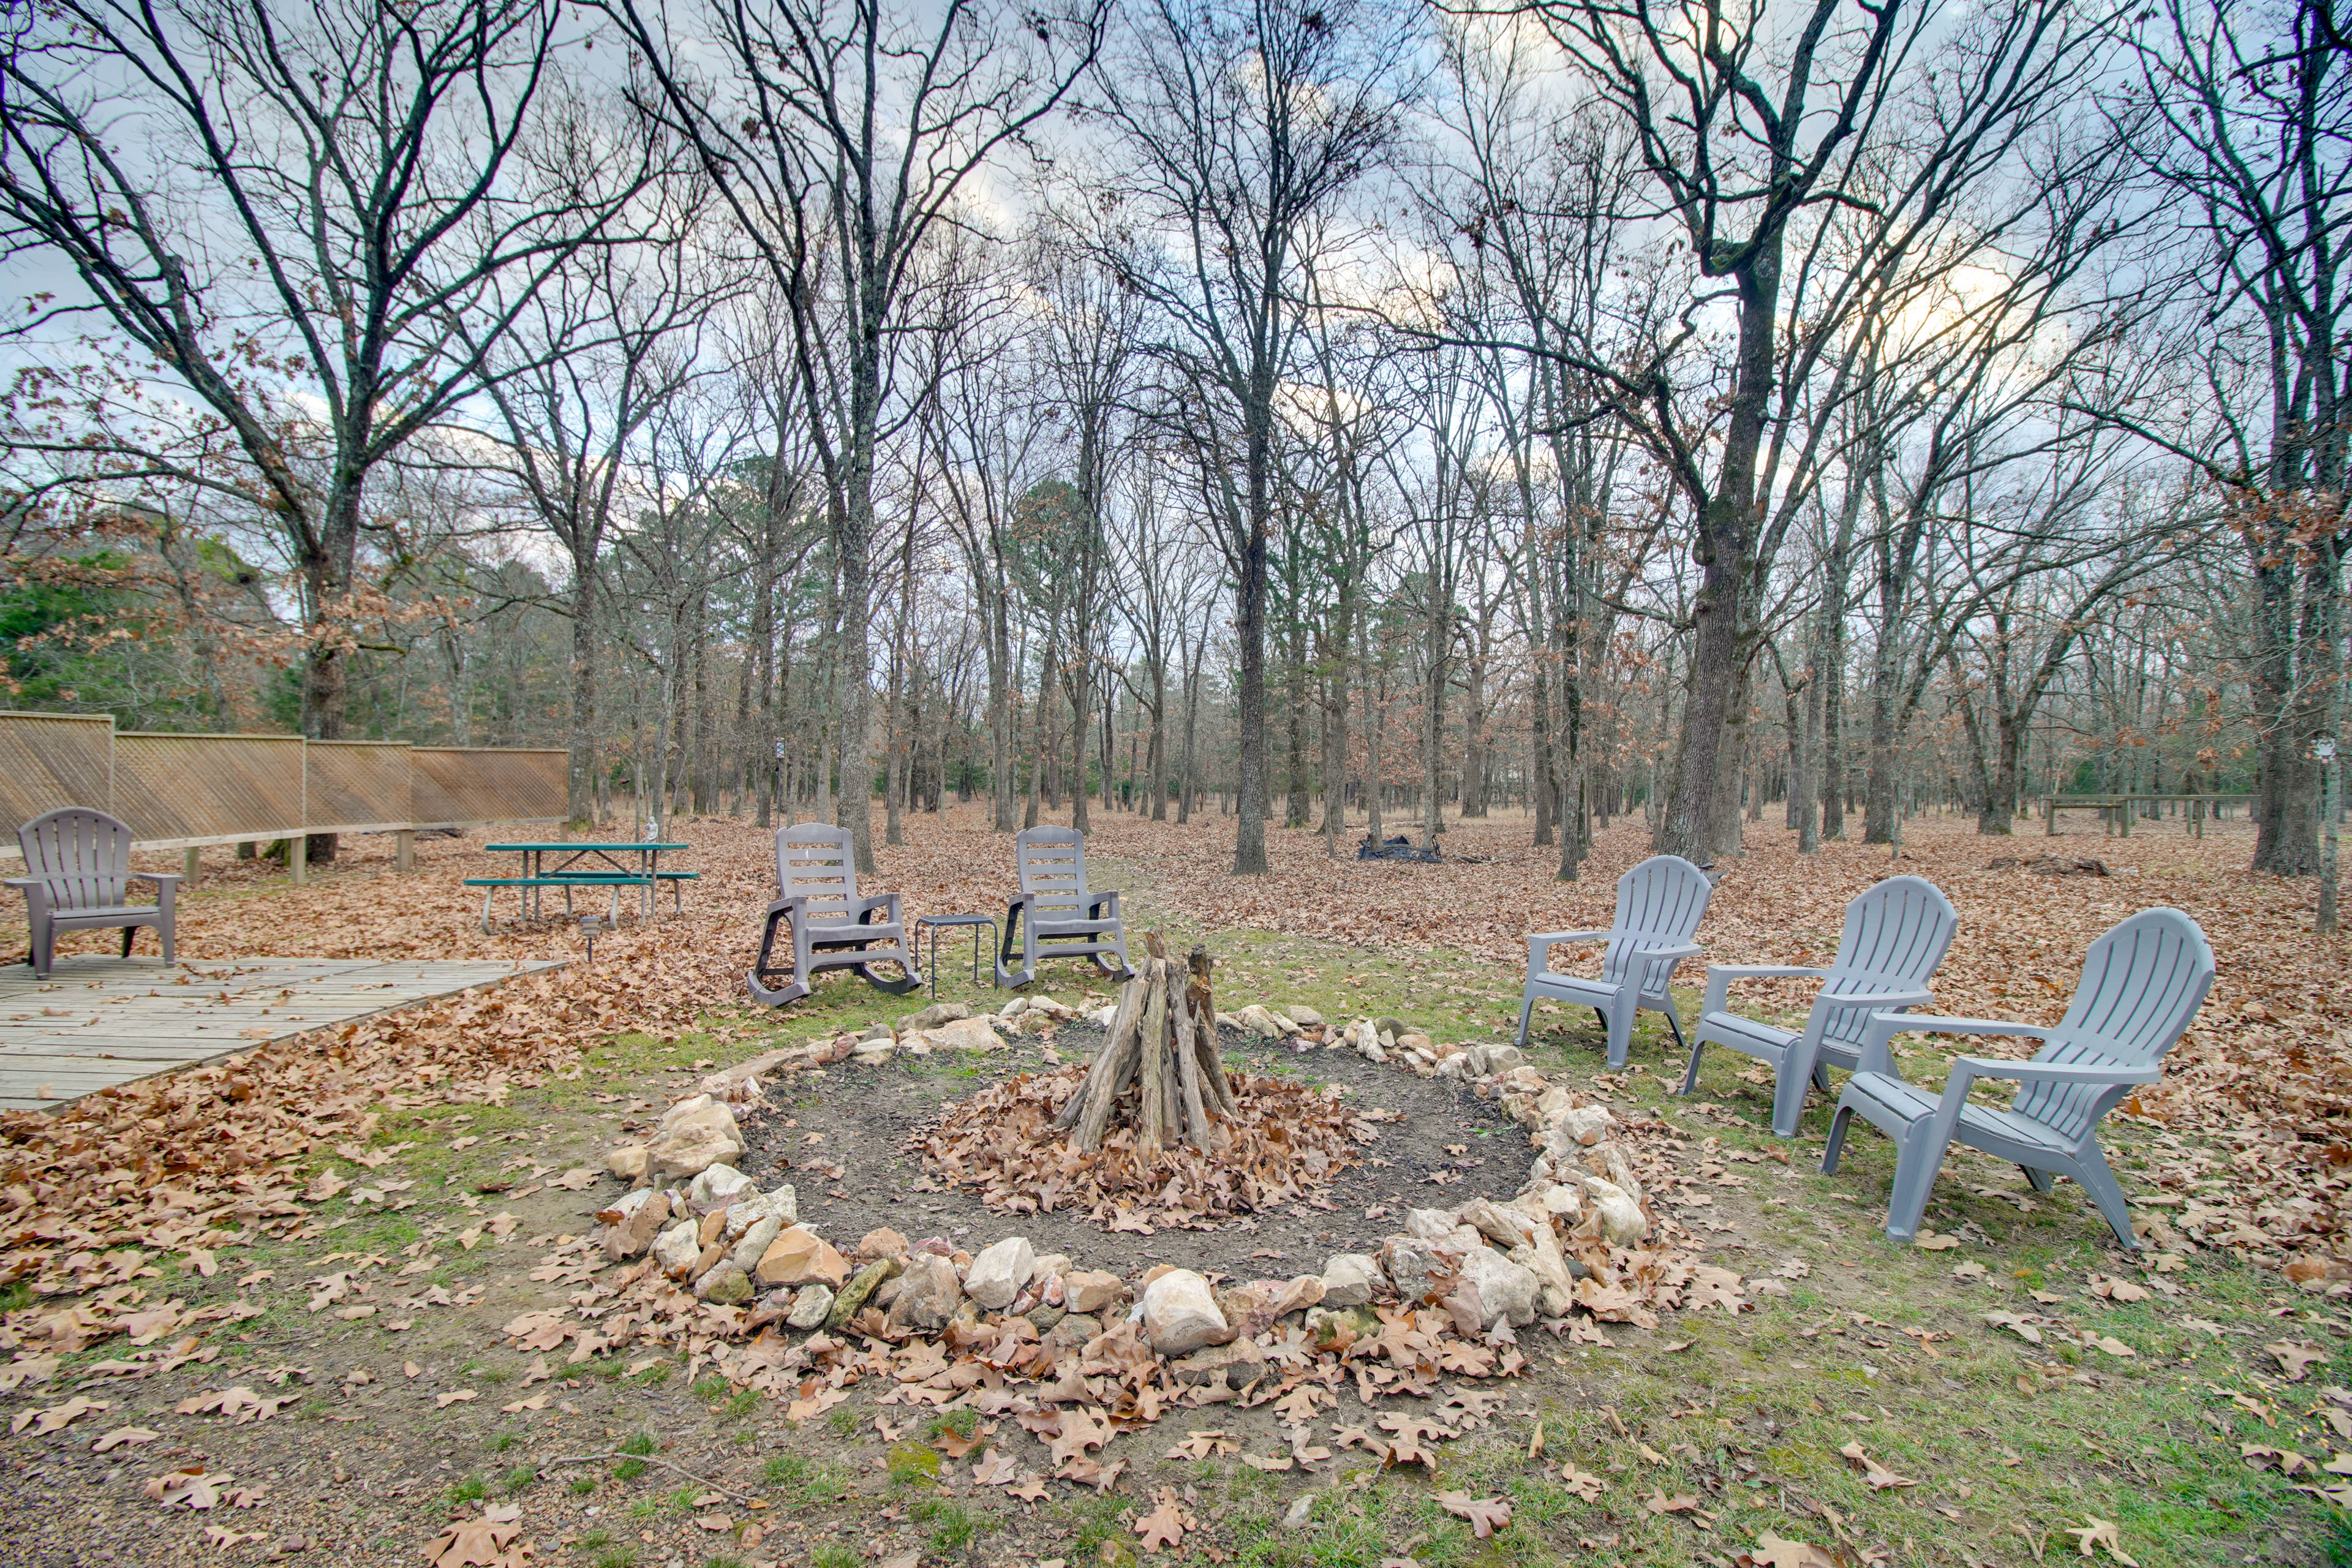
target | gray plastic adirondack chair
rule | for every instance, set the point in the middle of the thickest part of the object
(1896, 934)
(829, 926)
(77, 864)
(1056, 915)
(2142, 983)
(1659, 904)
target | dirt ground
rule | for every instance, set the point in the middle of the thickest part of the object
(854, 1135)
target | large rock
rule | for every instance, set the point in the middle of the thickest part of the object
(799, 1257)
(1090, 1291)
(1180, 1314)
(968, 1035)
(882, 1242)
(627, 1162)
(676, 1248)
(1422, 1270)
(783, 1203)
(725, 1283)
(1305, 1015)
(696, 1134)
(1609, 1161)
(717, 1186)
(855, 1295)
(631, 1225)
(1488, 1060)
(999, 1273)
(1623, 1223)
(754, 1244)
(810, 1304)
(1352, 1279)
(932, 1017)
(1507, 1291)
(1503, 1227)
(928, 1294)
(1431, 1225)
(1540, 1254)
(1585, 1124)
(1258, 1021)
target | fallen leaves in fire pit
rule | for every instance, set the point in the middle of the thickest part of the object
(1287, 1140)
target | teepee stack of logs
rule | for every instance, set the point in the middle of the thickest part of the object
(1162, 1044)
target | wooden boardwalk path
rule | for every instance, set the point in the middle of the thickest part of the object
(97, 1021)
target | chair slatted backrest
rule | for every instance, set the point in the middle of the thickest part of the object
(814, 862)
(1897, 933)
(1052, 862)
(2142, 983)
(83, 855)
(1663, 899)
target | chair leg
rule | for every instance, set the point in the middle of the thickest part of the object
(1526, 1011)
(1793, 1076)
(1690, 1073)
(163, 936)
(2038, 1179)
(44, 956)
(1007, 979)
(1917, 1162)
(129, 934)
(2091, 1170)
(1838, 1126)
(1621, 1032)
(1676, 1024)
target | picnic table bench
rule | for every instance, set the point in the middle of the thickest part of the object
(566, 881)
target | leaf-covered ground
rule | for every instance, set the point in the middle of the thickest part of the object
(276, 1243)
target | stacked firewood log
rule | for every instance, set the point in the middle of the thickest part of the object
(1158, 1070)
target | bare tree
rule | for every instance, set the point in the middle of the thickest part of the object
(843, 139)
(1222, 171)
(329, 188)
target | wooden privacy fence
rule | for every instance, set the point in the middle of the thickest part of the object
(181, 792)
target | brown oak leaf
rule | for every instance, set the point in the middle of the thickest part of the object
(1487, 1515)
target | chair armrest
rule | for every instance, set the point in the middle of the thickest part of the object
(165, 881)
(1097, 902)
(24, 884)
(1884, 1027)
(1968, 1070)
(1719, 977)
(1539, 945)
(37, 894)
(878, 902)
(793, 905)
(1668, 956)
(1890, 1000)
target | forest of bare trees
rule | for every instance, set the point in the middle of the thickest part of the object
(1342, 418)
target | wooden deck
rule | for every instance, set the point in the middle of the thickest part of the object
(97, 1021)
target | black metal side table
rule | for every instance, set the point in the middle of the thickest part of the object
(936, 922)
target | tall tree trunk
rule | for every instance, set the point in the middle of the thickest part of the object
(1294, 683)
(579, 770)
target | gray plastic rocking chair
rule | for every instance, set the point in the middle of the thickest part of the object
(78, 865)
(1056, 915)
(828, 925)
(1896, 934)
(2142, 983)
(1659, 904)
